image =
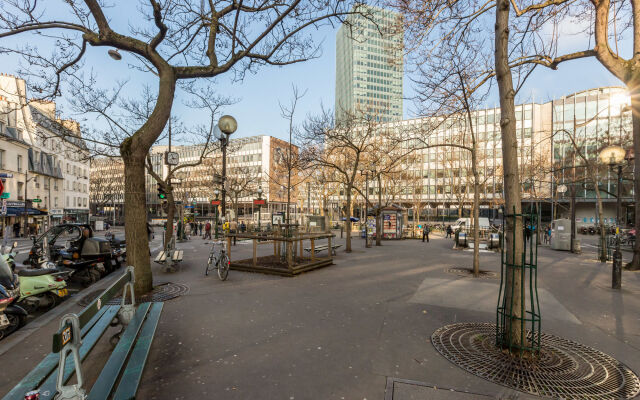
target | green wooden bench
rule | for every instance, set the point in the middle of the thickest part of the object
(78, 335)
(323, 247)
(169, 257)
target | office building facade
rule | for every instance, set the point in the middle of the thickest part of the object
(369, 65)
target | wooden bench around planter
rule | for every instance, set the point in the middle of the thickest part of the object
(287, 258)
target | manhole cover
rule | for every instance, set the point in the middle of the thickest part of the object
(564, 369)
(162, 292)
(468, 272)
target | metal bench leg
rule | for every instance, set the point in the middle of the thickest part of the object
(127, 310)
(71, 335)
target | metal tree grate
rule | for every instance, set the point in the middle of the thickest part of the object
(468, 273)
(562, 369)
(162, 292)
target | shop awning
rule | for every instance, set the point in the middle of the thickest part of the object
(18, 211)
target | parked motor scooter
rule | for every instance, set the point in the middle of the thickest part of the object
(39, 287)
(12, 316)
(592, 230)
(86, 272)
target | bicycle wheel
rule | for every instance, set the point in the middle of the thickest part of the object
(223, 267)
(210, 265)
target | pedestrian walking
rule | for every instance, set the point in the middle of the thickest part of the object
(16, 230)
(449, 232)
(199, 228)
(207, 230)
(425, 233)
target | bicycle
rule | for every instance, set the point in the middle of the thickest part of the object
(219, 261)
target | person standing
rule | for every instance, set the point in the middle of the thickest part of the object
(16, 230)
(449, 232)
(425, 233)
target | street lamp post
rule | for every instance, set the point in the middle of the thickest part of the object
(614, 156)
(227, 125)
(259, 209)
(215, 213)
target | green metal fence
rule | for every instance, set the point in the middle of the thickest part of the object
(523, 320)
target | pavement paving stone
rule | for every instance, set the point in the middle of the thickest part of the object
(340, 332)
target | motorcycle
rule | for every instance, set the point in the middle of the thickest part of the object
(12, 316)
(592, 230)
(39, 287)
(118, 249)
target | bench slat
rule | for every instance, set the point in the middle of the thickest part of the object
(159, 256)
(131, 376)
(107, 379)
(50, 362)
(177, 255)
(88, 342)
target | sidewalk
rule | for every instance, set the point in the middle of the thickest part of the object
(344, 331)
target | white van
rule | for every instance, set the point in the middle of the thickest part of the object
(466, 224)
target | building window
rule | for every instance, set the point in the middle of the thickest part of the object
(20, 190)
(19, 163)
(55, 202)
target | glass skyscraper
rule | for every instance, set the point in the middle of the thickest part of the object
(369, 65)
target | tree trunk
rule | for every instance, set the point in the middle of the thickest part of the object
(171, 213)
(379, 214)
(347, 221)
(635, 113)
(135, 220)
(134, 150)
(476, 213)
(513, 239)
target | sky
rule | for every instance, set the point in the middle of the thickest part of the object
(258, 111)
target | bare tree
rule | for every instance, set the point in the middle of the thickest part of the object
(600, 17)
(175, 41)
(449, 26)
(341, 146)
(202, 138)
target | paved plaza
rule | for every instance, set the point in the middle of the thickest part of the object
(359, 329)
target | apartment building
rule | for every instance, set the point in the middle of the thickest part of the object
(106, 189)
(36, 147)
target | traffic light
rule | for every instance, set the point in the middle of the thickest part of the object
(161, 193)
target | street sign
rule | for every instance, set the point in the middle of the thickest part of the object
(3, 210)
(36, 201)
(188, 206)
(5, 195)
(6, 175)
(215, 202)
(259, 202)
